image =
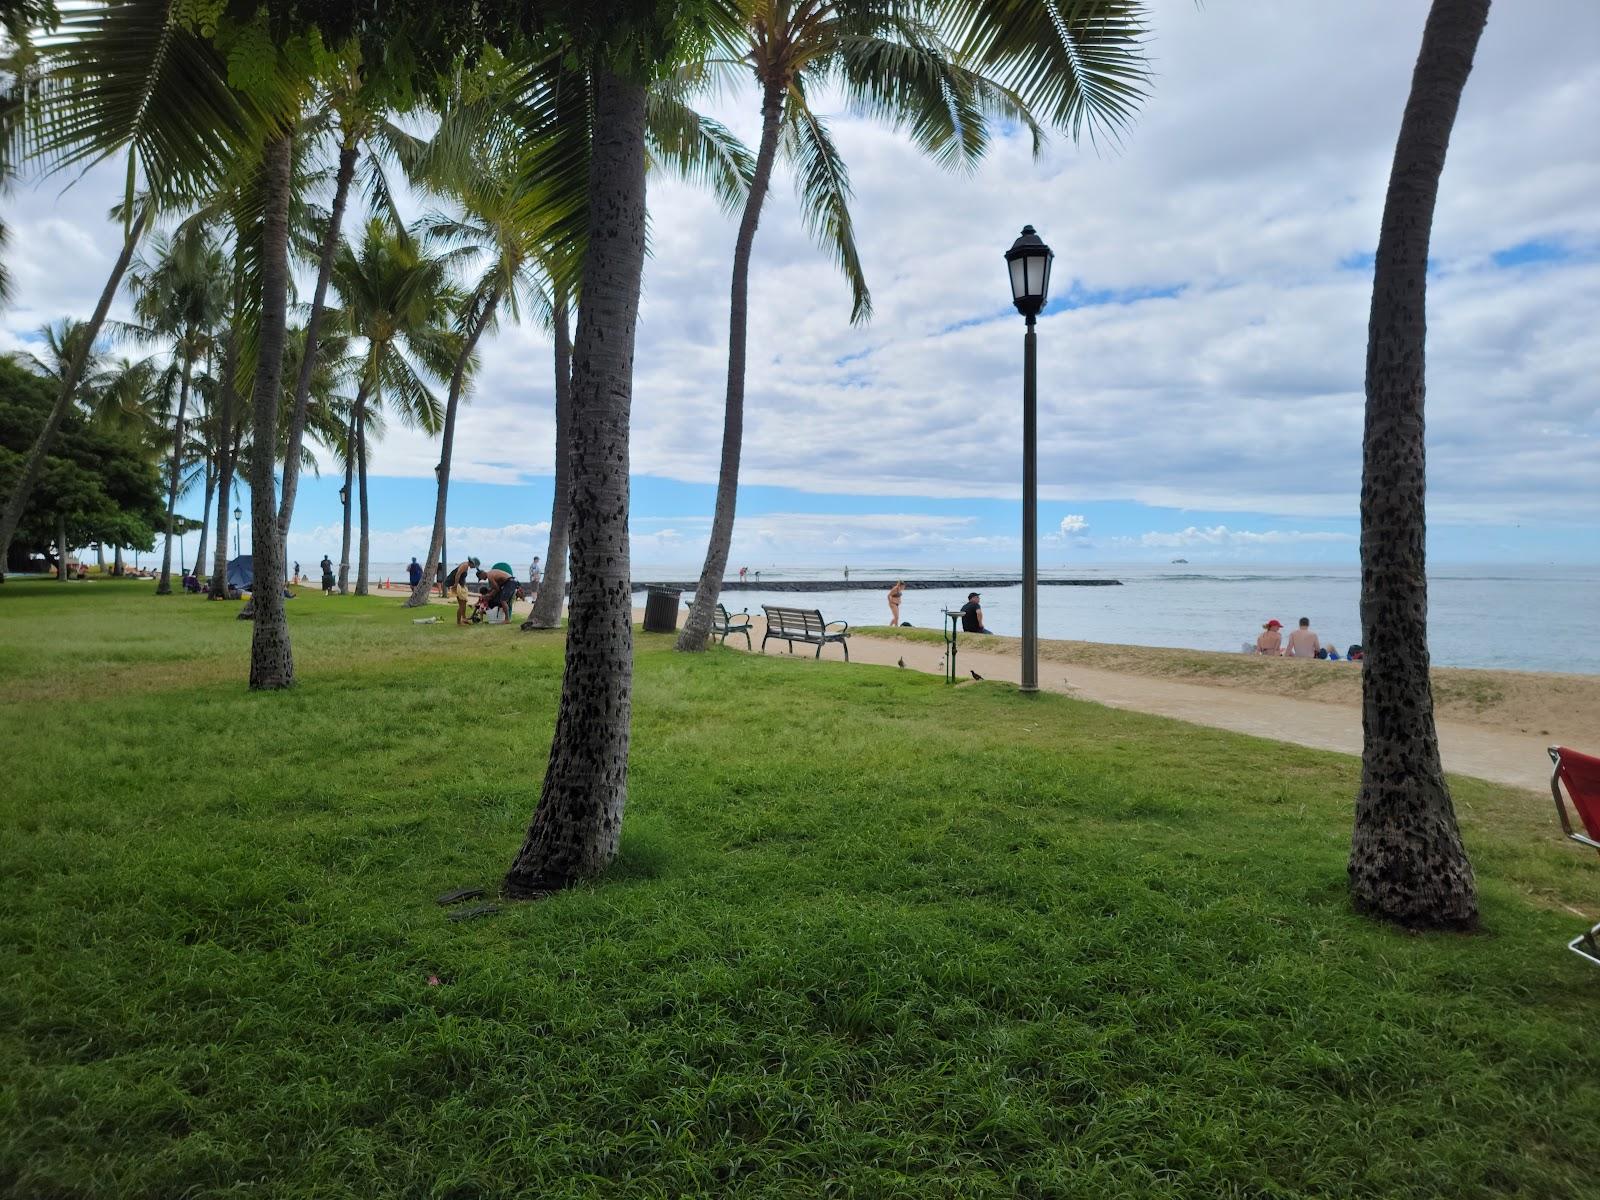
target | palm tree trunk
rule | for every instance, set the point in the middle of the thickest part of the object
(1407, 863)
(419, 594)
(226, 442)
(709, 590)
(546, 613)
(116, 561)
(164, 586)
(205, 517)
(100, 556)
(271, 659)
(348, 491)
(578, 821)
(361, 472)
(34, 463)
(302, 387)
(61, 547)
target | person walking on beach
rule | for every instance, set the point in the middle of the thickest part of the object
(1303, 643)
(414, 571)
(441, 578)
(457, 584)
(535, 577)
(972, 615)
(1270, 641)
(327, 576)
(296, 572)
(898, 590)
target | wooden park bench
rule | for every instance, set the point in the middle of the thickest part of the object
(804, 625)
(724, 623)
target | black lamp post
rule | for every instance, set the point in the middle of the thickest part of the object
(1028, 261)
(238, 546)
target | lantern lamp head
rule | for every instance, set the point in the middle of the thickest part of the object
(1029, 261)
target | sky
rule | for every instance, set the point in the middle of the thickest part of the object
(1200, 362)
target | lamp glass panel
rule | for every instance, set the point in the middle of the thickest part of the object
(1018, 277)
(1044, 284)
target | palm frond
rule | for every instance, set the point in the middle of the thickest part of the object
(823, 184)
(697, 149)
(1079, 63)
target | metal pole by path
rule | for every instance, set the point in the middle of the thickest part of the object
(1030, 510)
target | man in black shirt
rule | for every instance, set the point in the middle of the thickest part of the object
(972, 615)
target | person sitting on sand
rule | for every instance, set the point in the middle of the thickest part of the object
(1303, 643)
(456, 584)
(972, 615)
(1331, 652)
(898, 590)
(1270, 641)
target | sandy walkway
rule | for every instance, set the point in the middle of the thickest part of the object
(1513, 758)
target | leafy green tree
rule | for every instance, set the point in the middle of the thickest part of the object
(99, 484)
(1407, 863)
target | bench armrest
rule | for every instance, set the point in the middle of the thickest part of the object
(844, 626)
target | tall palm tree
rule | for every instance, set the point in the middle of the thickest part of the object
(179, 294)
(491, 230)
(398, 298)
(1407, 863)
(132, 78)
(890, 60)
(367, 137)
(577, 823)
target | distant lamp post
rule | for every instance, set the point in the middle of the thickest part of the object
(1028, 262)
(238, 546)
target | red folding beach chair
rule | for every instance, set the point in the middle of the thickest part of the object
(1581, 775)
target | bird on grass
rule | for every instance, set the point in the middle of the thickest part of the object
(901, 664)
(976, 676)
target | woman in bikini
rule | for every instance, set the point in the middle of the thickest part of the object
(898, 590)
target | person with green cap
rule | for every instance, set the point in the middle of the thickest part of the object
(456, 588)
(502, 587)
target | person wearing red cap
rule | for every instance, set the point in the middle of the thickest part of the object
(1270, 641)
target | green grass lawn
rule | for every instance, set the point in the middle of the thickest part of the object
(869, 936)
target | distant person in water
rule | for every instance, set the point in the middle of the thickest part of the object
(897, 591)
(972, 615)
(847, 574)
(1303, 643)
(1271, 640)
(414, 571)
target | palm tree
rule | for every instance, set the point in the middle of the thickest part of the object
(367, 137)
(135, 78)
(490, 229)
(546, 610)
(1407, 863)
(179, 293)
(397, 298)
(576, 826)
(890, 62)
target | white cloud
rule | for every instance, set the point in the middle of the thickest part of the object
(1222, 536)
(1072, 525)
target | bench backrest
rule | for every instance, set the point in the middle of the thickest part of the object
(800, 620)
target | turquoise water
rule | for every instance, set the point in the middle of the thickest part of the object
(1521, 618)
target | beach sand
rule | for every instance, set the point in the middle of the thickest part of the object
(1493, 725)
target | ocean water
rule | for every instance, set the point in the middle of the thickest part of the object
(1527, 618)
(1518, 618)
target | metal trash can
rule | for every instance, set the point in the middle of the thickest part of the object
(661, 610)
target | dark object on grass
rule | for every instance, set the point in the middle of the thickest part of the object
(460, 894)
(976, 676)
(242, 572)
(902, 664)
(477, 910)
